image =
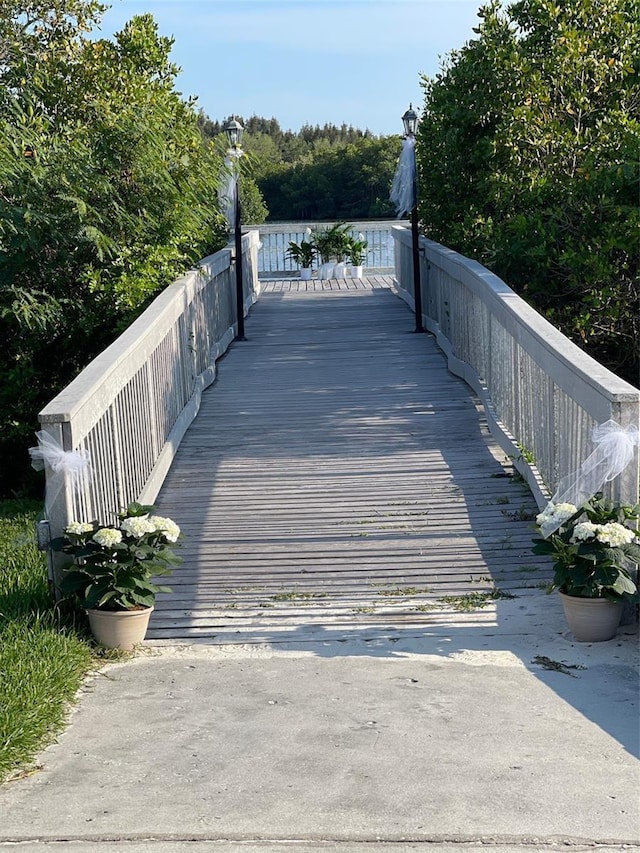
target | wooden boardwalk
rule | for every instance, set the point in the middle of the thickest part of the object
(339, 482)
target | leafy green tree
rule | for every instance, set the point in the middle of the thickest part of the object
(253, 209)
(112, 201)
(339, 182)
(528, 160)
(263, 154)
(34, 33)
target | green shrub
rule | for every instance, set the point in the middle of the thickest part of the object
(112, 204)
(527, 152)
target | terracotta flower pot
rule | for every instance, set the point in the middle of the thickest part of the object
(119, 629)
(591, 620)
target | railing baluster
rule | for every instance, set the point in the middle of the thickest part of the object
(130, 407)
(275, 239)
(541, 391)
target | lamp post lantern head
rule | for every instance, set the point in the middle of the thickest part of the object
(410, 121)
(234, 131)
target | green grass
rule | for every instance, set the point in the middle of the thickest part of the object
(43, 658)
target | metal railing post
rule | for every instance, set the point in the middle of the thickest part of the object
(417, 286)
(239, 283)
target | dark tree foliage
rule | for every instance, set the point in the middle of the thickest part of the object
(319, 172)
(289, 143)
(528, 152)
(340, 182)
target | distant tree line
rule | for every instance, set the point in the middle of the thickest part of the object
(528, 153)
(319, 172)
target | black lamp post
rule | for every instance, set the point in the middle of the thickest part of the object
(410, 122)
(234, 131)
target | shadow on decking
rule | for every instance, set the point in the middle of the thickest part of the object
(358, 491)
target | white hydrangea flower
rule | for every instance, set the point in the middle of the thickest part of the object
(167, 526)
(107, 537)
(546, 514)
(556, 513)
(614, 534)
(78, 527)
(585, 530)
(565, 510)
(137, 526)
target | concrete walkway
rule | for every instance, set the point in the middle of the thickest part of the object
(479, 739)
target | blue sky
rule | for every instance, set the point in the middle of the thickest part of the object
(307, 61)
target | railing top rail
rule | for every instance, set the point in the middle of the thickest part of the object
(551, 345)
(120, 354)
(105, 375)
(356, 225)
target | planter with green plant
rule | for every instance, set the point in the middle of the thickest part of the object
(595, 553)
(332, 246)
(113, 568)
(356, 252)
(303, 254)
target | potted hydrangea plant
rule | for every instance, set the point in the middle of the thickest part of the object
(594, 551)
(112, 571)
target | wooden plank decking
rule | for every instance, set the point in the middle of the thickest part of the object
(338, 481)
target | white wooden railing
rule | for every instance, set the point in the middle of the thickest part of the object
(275, 239)
(129, 408)
(543, 395)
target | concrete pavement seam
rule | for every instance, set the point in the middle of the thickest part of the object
(520, 842)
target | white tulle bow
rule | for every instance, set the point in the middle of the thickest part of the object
(49, 453)
(403, 188)
(227, 186)
(615, 448)
(71, 464)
